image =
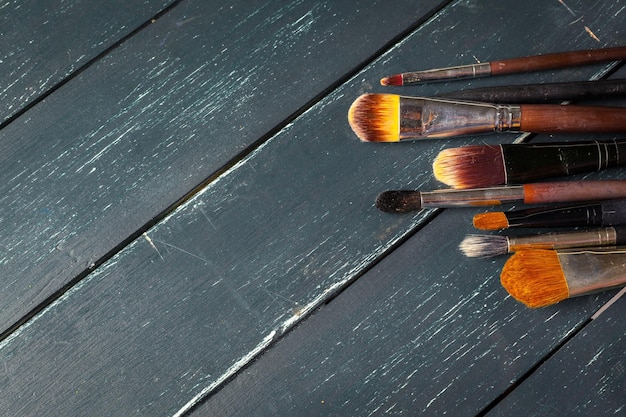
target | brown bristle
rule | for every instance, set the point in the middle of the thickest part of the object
(535, 277)
(470, 166)
(491, 221)
(399, 201)
(392, 80)
(376, 117)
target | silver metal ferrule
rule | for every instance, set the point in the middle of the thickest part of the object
(582, 239)
(473, 197)
(431, 117)
(593, 270)
(442, 74)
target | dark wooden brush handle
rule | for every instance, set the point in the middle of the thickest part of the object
(557, 60)
(548, 118)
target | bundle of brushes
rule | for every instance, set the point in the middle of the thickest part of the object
(544, 268)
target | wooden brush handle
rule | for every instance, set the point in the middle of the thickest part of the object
(547, 118)
(557, 60)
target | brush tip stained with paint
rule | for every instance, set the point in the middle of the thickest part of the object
(399, 201)
(392, 80)
(376, 117)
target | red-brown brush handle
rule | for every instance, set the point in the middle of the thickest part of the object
(571, 191)
(557, 60)
(547, 118)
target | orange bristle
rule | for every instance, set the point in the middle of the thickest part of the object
(470, 166)
(376, 117)
(392, 80)
(491, 221)
(535, 278)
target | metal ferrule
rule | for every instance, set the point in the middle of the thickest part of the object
(473, 197)
(593, 270)
(429, 117)
(462, 71)
(600, 237)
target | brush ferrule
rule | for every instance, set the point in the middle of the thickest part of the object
(599, 237)
(473, 197)
(462, 71)
(589, 271)
(427, 117)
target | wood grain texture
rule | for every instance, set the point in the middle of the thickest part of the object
(585, 378)
(204, 292)
(43, 42)
(425, 332)
(106, 153)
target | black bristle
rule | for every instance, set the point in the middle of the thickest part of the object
(399, 201)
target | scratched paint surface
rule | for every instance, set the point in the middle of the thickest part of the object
(590, 368)
(205, 291)
(44, 42)
(106, 153)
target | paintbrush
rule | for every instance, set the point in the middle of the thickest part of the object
(487, 165)
(484, 246)
(597, 214)
(540, 277)
(400, 201)
(390, 118)
(509, 66)
(542, 93)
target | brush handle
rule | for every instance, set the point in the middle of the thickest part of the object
(542, 93)
(570, 191)
(553, 118)
(527, 162)
(607, 236)
(607, 213)
(557, 60)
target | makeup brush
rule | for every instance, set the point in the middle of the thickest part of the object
(596, 214)
(542, 93)
(391, 118)
(486, 165)
(509, 66)
(484, 246)
(401, 201)
(540, 277)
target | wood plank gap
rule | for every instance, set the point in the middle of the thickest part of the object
(216, 174)
(88, 64)
(534, 369)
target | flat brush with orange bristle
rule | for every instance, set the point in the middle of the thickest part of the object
(391, 118)
(596, 214)
(542, 277)
(485, 246)
(486, 165)
(402, 201)
(509, 66)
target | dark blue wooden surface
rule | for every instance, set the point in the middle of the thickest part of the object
(188, 225)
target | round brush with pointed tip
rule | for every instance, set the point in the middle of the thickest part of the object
(600, 213)
(542, 277)
(485, 165)
(484, 246)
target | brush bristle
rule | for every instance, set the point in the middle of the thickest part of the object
(535, 277)
(483, 246)
(470, 166)
(376, 117)
(491, 221)
(399, 201)
(392, 80)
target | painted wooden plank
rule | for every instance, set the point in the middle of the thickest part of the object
(424, 332)
(185, 306)
(113, 149)
(43, 42)
(586, 378)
